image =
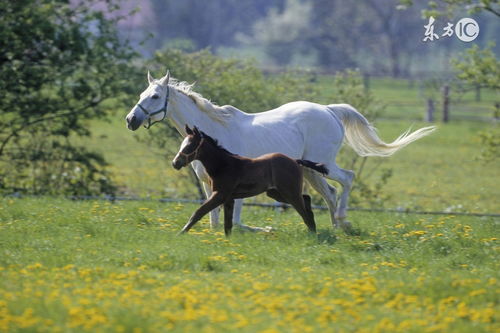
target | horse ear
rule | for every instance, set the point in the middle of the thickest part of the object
(196, 131)
(150, 78)
(164, 80)
(188, 130)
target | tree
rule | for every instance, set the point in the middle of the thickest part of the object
(448, 7)
(211, 23)
(480, 68)
(59, 65)
(281, 32)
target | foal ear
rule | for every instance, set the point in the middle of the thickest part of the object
(188, 130)
(164, 80)
(150, 78)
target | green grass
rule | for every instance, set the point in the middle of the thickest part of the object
(407, 99)
(442, 171)
(97, 266)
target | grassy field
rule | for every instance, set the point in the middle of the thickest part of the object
(95, 266)
(407, 99)
(100, 267)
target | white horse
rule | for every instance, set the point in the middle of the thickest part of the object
(301, 130)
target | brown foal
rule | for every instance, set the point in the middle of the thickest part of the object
(234, 177)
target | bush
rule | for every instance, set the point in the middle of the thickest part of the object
(60, 64)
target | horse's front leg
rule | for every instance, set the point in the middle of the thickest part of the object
(215, 200)
(238, 204)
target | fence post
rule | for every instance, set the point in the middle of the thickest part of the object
(366, 81)
(430, 110)
(446, 103)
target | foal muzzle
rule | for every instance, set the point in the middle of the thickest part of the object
(178, 164)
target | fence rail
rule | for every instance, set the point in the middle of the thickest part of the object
(271, 205)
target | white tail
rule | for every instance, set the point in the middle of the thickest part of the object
(363, 138)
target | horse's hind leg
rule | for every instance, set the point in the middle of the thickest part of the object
(328, 192)
(345, 178)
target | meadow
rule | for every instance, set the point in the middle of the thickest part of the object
(119, 267)
(98, 266)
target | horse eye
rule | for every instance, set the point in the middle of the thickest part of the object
(155, 97)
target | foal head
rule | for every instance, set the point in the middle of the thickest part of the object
(190, 148)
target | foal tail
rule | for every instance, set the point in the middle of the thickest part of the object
(363, 138)
(320, 167)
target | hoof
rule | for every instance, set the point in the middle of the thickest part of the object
(346, 225)
(340, 222)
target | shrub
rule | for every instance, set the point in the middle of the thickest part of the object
(60, 63)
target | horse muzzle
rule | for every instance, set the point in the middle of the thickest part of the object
(177, 164)
(133, 122)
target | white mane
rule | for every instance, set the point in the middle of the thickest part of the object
(216, 112)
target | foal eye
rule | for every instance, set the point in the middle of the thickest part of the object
(155, 97)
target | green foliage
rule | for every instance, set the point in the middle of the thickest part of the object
(55, 167)
(478, 67)
(279, 32)
(481, 68)
(449, 7)
(108, 267)
(490, 141)
(60, 64)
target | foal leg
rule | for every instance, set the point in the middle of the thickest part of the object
(301, 203)
(214, 213)
(307, 203)
(328, 192)
(215, 200)
(274, 194)
(228, 216)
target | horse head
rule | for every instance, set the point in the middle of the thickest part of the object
(152, 106)
(189, 148)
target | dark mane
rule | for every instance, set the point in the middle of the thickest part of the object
(215, 143)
